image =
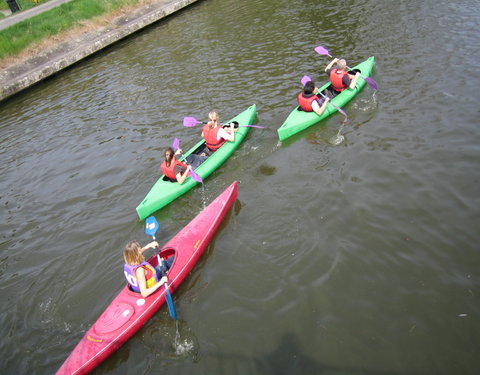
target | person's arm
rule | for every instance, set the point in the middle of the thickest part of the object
(353, 82)
(151, 245)
(228, 135)
(320, 109)
(331, 64)
(181, 177)
(142, 282)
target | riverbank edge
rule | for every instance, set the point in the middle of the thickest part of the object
(33, 70)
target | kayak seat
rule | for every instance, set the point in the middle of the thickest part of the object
(165, 178)
(203, 149)
(168, 254)
(131, 290)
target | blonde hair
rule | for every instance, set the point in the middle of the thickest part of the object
(341, 64)
(132, 254)
(213, 116)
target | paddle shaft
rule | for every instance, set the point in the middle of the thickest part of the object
(192, 121)
(336, 106)
(168, 297)
(235, 126)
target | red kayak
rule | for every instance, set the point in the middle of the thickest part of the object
(129, 310)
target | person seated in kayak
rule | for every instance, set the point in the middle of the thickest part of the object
(215, 135)
(142, 277)
(235, 125)
(339, 77)
(174, 169)
(309, 101)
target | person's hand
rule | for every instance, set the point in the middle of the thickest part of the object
(189, 168)
(327, 99)
(153, 244)
(178, 152)
(163, 280)
(335, 60)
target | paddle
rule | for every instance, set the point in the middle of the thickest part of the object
(192, 121)
(151, 227)
(193, 175)
(306, 79)
(323, 51)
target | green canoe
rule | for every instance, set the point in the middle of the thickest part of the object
(164, 192)
(299, 120)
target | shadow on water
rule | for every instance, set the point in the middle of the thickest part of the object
(287, 359)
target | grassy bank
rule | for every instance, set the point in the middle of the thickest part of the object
(17, 38)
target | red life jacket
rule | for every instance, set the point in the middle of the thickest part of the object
(170, 171)
(336, 77)
(210, 136)
(305, 102)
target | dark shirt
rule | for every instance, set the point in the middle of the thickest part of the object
(178, 169)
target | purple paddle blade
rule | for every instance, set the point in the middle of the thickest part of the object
(322, 51)
(305, 79)
(176, 144)
(195, 176)
(371, 82)
(190, 121)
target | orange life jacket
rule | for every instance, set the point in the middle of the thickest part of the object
(305, 102)
(170, 171)
(211, 139)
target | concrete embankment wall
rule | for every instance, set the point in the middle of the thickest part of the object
(26, 73)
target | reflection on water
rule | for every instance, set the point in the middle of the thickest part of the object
(355, 258)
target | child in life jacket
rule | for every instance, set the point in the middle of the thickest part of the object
(174, 169)
(215, 135)
(142, 277)
(309, 101)
(340, 78)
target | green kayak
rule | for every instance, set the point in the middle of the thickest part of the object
(164, 191)
(299, 120)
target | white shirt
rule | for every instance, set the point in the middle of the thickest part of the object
(315, 105)
(222, 133)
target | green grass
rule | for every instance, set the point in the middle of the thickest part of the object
(16, 38)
